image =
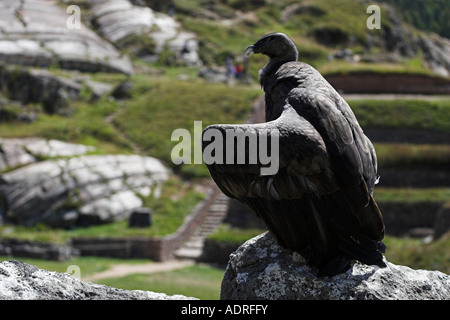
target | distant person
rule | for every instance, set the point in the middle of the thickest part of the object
(231, 70)
(239, 69)
(171, 9)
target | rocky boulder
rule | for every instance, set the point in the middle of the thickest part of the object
(73, 191)
(36, 85)
(19, 152)
(144, 30)
(30, 85)
(21, 281)
(41, 33)
(261, 269)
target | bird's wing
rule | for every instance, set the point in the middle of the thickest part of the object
(317, 101)
(303, 204)
(287, 200)
(300, 157)
(350, 152)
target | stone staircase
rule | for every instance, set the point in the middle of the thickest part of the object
(193, 248)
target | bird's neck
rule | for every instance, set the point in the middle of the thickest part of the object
(273, 65)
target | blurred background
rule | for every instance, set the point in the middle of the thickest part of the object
(91, 91)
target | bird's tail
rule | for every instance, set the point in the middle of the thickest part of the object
(367, 251)
(349, 241)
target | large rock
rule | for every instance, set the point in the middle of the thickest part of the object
(38, 85)
(261, 269)
(19, 152)
(80, 191)
(21, 281)
(436, 53)
(30, 85)
(119, 20)
(41, 33)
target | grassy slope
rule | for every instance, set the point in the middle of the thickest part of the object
(308, 27)
(86, 125)
(403, 113)
(163, 105)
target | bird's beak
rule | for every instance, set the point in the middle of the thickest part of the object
(250, 51)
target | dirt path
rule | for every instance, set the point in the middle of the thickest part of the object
(120, 270)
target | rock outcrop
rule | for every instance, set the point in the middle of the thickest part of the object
(395, 41)
(40, 33)
(82, 191)
(261, 269)
(55, 93)
(119, 21)
(21, 281)
(19, 152)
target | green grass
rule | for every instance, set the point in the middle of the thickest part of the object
(417, 255)
(403, 113)
(308, 27)
(228, 234)
(411, 195)
(404, 155)
(86, 125)
(407, 66)
(200, 281)
(40, 233)
(162, 105)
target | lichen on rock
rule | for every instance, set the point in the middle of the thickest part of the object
(261, 269)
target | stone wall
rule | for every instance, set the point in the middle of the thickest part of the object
(217, 252)
(366, 82)
(417, 219)
(36, 250)
(410, 219)
(154, 248)
(122, 248)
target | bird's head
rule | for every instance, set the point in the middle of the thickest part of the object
(275, 46)
(279, 48)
